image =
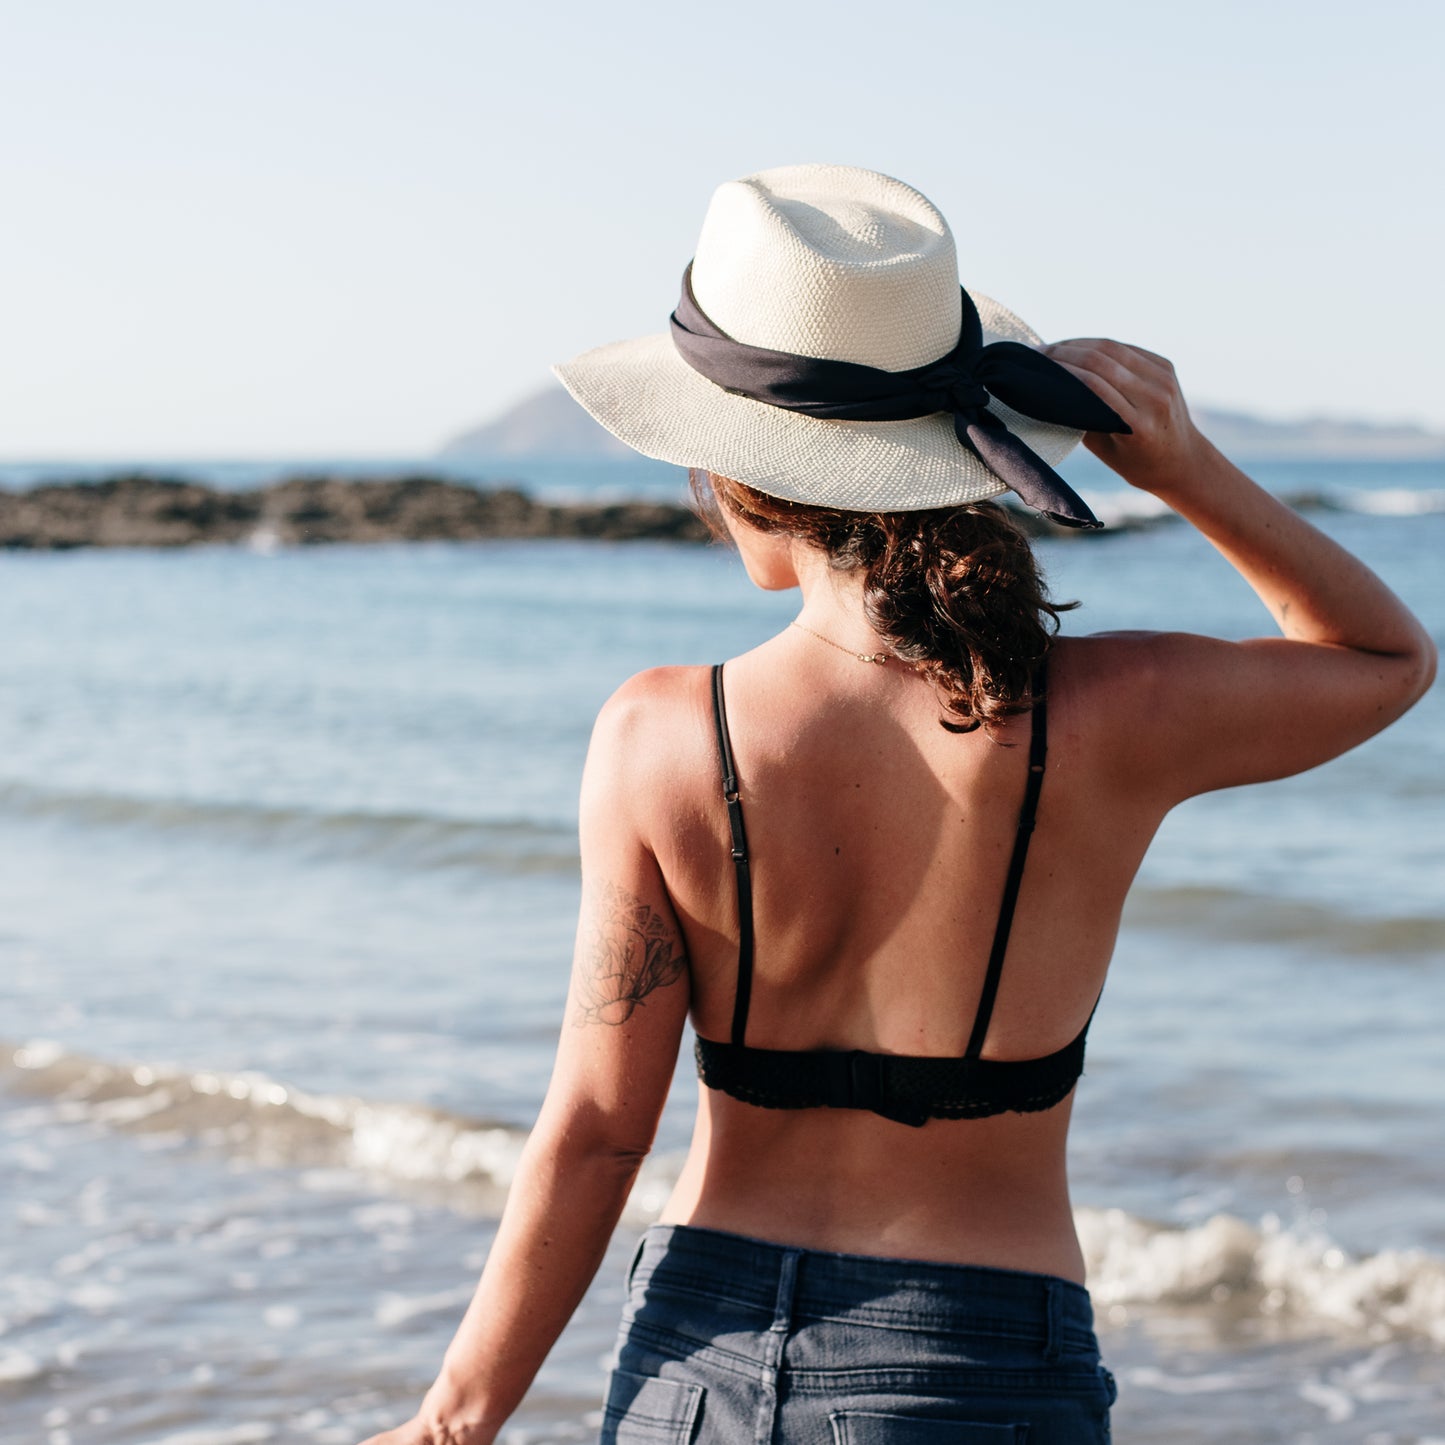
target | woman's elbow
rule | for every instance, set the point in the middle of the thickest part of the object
(599, 1138)
(1421, 665)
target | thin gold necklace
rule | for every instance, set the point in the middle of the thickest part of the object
(879, 657)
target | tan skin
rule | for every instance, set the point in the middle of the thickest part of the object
(880, 844)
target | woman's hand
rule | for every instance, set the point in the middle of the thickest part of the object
(1163, 448)
(436, 1423)
(416, 1431)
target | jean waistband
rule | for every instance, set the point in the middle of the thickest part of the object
(821, 1285)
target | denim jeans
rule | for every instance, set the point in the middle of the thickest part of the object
(726, 1339)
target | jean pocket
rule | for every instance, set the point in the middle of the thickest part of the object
(635, 1261)
(859, 1427)
(650, 1410)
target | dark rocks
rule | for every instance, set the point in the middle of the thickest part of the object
(155, 511)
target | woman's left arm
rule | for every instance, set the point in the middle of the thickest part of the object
(626, 1008)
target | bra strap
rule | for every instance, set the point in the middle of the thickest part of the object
(1038, 751)
(740, 858)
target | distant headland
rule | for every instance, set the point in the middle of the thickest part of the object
(549, 423)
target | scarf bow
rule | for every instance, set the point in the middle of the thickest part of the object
(961, 383)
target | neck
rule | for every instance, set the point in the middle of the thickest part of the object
(833, 604)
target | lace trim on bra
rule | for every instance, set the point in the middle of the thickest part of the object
(909, 1089)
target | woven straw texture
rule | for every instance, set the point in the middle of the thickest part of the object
(824, 261)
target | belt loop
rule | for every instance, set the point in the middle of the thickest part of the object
(765, 1417)
(787, 1283)
(1054, 1338)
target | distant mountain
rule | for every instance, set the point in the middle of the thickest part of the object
(547, 424)
(550, 424)
(1241, 434)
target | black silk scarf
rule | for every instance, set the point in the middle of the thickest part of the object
(960, 382)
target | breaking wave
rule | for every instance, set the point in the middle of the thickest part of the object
(1292, 1275)
(258, 1118)
(1130, 511)
(1267, 1269)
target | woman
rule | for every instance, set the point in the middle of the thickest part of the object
(880, 859)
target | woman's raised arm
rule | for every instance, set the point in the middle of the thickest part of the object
(625, 1012)
(1209, 714)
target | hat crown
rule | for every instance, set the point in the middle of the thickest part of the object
(832, 262)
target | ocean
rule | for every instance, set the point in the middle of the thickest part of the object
(288, 880)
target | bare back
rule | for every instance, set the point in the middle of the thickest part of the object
(880, 843)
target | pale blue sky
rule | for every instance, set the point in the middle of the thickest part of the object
(272, 227)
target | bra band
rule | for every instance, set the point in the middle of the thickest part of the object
(907, 1088)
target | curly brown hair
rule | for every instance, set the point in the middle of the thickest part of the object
(956, 591)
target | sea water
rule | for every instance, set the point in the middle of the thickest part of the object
(288, 878)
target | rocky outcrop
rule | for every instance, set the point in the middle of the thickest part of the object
(152, 511)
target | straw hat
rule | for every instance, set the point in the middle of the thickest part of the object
(827, 262)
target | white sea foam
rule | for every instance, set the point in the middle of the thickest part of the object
(1394, 502)
(1338, 1404)
(17, 1366)
(384, 1215)
(96, 1298)
(251, 1115)
(400, 1309)
(38, 1054)
(408, 1143)
(1133, 510)
(1284, 1272)
(249, 1433)
(1119, 510)
(1217, 1382)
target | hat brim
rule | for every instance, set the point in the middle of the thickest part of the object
(646, 395)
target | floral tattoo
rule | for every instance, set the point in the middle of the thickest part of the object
(633, 950)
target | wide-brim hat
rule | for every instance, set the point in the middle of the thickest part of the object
(826, 262)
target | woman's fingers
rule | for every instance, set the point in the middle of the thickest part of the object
(1100, 385)
(414, 1432)
(1133, 358)
(1145, 381)
(1142, 388)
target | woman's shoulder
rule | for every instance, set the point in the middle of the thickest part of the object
(1107, 679)
(653, 697)
(1122, 672)
(1136, 650)
(654, 724)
